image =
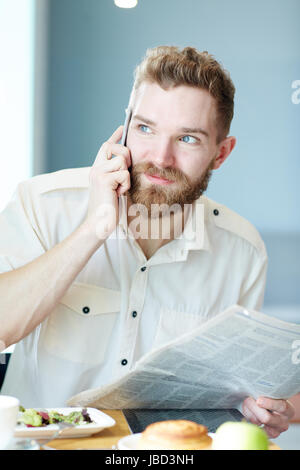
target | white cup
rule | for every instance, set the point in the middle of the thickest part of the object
(9, 409)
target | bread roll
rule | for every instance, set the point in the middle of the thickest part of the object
(175, 435)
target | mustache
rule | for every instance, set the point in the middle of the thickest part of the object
(171, 174)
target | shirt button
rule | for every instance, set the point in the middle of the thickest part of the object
(134, 314)
(86, 310)
(124, 362)
(216, 212)
(143, 268)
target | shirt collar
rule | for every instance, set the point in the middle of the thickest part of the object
(195, 234)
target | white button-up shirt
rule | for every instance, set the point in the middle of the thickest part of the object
(121, 305)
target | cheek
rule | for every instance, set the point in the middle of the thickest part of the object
(193, 168)
(188, 162)
(137, 149)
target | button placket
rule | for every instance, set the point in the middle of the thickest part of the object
(136, 302)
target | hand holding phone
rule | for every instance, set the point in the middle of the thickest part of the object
(109, 179)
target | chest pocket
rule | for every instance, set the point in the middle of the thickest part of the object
(81, 327)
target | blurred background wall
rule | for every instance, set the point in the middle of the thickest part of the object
(85, 53)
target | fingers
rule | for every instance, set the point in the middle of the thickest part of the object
(283, 407)
(113, 148)
(274, 422)
(122, 179)
(119, 181)
(115, 164)
(248, 412)
(110, 178)
(272, 432)
(107, 150)
(116, 136)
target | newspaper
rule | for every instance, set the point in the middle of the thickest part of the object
(238, 353)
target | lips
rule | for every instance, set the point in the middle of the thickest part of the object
(157, 179)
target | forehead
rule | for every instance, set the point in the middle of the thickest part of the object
(180, 106)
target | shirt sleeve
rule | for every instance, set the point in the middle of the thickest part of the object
(20, 238)
(252, 293)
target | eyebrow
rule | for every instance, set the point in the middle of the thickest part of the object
(186, 130)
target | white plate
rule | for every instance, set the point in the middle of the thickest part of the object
(130, 442)
(101, 421)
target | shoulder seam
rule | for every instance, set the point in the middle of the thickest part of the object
(241, 227)
(77, 178)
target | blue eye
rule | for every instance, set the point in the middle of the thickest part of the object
(145, 129)
(188, 139)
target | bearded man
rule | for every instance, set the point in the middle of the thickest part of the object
(103, 269)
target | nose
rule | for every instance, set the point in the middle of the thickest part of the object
(163, 154)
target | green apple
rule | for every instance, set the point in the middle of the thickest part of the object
(240, 436)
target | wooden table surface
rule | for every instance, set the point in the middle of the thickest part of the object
(106, 439)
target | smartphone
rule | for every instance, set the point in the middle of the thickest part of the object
(126, 126)
(125, 130)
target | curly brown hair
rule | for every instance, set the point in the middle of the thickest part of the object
(168, 66)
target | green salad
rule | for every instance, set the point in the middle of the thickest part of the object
(36, 418)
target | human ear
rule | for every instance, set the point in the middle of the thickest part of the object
(225, 148)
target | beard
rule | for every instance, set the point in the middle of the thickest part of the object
(182, 191)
